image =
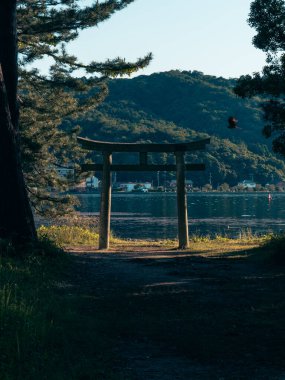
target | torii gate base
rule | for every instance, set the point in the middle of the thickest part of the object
(178, 149)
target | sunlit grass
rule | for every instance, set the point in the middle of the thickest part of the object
(68, 235)
(75, 236)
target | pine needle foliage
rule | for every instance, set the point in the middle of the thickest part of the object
(44, 29)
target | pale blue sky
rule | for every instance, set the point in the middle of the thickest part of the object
(206, 35)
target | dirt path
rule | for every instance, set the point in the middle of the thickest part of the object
(179, 316)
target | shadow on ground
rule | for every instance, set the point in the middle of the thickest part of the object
(174, 315)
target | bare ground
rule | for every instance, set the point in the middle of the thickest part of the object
(173, 315)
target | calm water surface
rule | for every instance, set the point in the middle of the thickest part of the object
(154, 215)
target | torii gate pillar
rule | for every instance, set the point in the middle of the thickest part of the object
(105, 208)
(183, 235)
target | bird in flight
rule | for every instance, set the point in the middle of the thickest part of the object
(232, 122)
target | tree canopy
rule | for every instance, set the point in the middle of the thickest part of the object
(267, 17)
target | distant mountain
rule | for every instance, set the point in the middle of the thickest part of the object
(183, 106)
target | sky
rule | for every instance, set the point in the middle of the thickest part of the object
(211, 36)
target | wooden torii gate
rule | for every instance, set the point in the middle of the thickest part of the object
(107, 148)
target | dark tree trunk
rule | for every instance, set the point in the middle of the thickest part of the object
(16, 218)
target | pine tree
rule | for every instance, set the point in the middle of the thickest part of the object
(44, 30)
(267, 17)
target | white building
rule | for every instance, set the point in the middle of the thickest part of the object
(146, 185)
(130, 186)
(124, 186)
(92, 182)
(247, 184)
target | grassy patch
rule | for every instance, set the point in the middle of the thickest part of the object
(69, 235)
(43, 334)
(66, 235)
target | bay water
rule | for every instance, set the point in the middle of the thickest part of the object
(154, 215)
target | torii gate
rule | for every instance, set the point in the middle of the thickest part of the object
(107, 148)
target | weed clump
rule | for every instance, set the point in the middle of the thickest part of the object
(275, 247)
(7, 248)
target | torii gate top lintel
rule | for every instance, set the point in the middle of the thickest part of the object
(107, 148)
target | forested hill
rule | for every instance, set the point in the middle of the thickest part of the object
(182, 106)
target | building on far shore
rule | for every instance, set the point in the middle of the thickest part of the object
(247, 184)
(188, 183)
(92, 182)
(130, 186)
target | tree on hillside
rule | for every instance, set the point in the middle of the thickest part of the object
(44, 30)
(267, 17)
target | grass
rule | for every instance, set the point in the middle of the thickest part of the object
(69, 235)
(66, 235)
(43, 334)
(83, 232)
(272, 247)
